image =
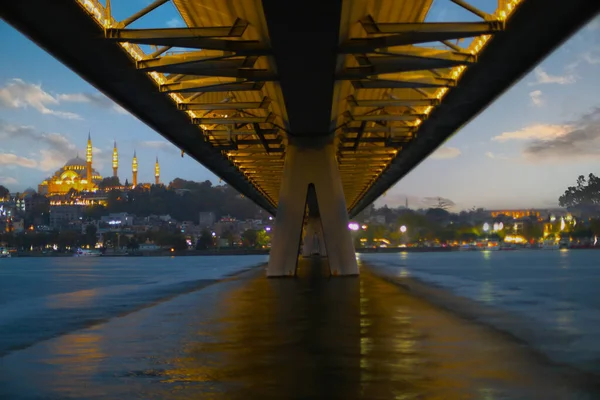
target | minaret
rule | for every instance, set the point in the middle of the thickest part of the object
(115, 160)
(157, 172)
(134, 168)
(88, 159)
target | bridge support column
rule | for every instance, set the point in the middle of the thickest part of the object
(311, 177)
(313, 242)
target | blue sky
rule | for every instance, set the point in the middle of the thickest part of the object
(523, 151)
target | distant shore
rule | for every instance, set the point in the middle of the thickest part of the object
(247, 252)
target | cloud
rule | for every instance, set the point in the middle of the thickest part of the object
(536, 98)
(95, 99)
(591, 58)
(58, 148)
(20, 94)
(445, 152)
(580, 140)
(493, 156)
(160, 145)
(534, 132)
(542, 77)
(13, 159)
(174, 23)
(8, 180)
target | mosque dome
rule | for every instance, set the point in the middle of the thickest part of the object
(76, 162)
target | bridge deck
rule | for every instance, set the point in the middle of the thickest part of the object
(311, 337)
(246, 77)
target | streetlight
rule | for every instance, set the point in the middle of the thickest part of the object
(486, 228)
(353, 226)
(403, 228)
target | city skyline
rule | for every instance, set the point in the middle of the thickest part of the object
(522, 152)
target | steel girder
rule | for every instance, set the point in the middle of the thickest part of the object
(386, 96)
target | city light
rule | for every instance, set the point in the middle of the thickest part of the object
(353, 226)
(403, 228)
(268, 229)
(364, 227)
(486, 227)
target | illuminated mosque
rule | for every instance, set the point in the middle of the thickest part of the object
(78, 174)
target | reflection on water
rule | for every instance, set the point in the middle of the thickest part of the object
(486, 294)
(349, 338)
(306, 338)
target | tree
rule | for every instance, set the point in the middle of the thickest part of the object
(439, 202)
(4, 192)
(437, 215)
(585, 194)
(262, 238)
(249, 237)
(229, 236)
(205, 241)
(109, 182)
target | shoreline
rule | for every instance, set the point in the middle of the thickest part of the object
(248, 252)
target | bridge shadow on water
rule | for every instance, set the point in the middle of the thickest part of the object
(312, 337)
(316, 337)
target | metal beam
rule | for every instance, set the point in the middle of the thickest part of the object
(383, 117)
(473, 9)
(386, 130)
(414, 33)
(233, 120)
(372, 27)
(391, 102)
(135, 35)
(198, 85)
(224, 132)
(359, 134)
(226, 106)
(395, 64)
(402, 84)
(181, 63)
(252, 142)
(261, 137)
(141, 13)
(160, 37)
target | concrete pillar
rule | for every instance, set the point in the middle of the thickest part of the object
(311, 171)
(314, 242)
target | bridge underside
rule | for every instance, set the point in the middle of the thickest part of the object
(360, 91)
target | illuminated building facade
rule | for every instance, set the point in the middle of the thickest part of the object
(157, 172)
(516, 214)
(77, 174)
(115, 161)
(134, 169)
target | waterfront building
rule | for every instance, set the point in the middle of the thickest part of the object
(77, 174)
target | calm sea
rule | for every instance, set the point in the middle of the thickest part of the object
(168, 327)
(41, 298)
(548, 298)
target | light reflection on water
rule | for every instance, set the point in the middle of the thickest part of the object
(546, 298)
(312, 337)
